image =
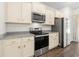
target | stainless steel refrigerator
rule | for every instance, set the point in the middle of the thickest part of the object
(59, 27)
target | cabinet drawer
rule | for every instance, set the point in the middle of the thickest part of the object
(9, 42)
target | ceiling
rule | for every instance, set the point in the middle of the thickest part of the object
(59, 5)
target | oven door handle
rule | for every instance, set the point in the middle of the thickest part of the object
(41, 35)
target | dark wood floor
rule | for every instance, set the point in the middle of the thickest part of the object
(70, 51)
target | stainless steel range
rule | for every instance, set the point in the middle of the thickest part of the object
(41, 41)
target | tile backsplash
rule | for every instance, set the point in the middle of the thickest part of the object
(25, 27)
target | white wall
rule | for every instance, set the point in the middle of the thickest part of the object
(2, 18)
(76, 27)
(76, 24)
(25, 27)
(77, 31)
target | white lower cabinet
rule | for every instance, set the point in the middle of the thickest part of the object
(28, 46)
(11, 48)
(53, 40)
(19, 47)
(56, 40)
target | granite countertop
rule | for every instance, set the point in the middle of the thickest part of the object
(49, 31)
(54, 32)
(16, 35)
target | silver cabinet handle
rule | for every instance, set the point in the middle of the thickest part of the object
(19, 47)
(24, 46)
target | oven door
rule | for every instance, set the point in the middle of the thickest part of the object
(41, 42)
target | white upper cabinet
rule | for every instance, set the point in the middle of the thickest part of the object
(13, 12)
(38, 8)
(58, 14)
(49, 16)
(26, 12)
(17, 12)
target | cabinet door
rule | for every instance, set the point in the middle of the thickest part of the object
(26, 13)
(49, 17)
(52, 17)
(11, 48)
(48, 21)
(28, 46)
(1, 48)
(56, 39)
(38, 7)
(51, 42)
(13, 11)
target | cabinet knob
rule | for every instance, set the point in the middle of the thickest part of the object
(19, 47)
(13, 41)
(30, 39)
(24, 46)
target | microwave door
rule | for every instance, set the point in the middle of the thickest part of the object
(37, 18)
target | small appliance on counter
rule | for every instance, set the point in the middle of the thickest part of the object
(41, 41)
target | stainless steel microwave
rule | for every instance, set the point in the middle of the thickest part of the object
(38, 18)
